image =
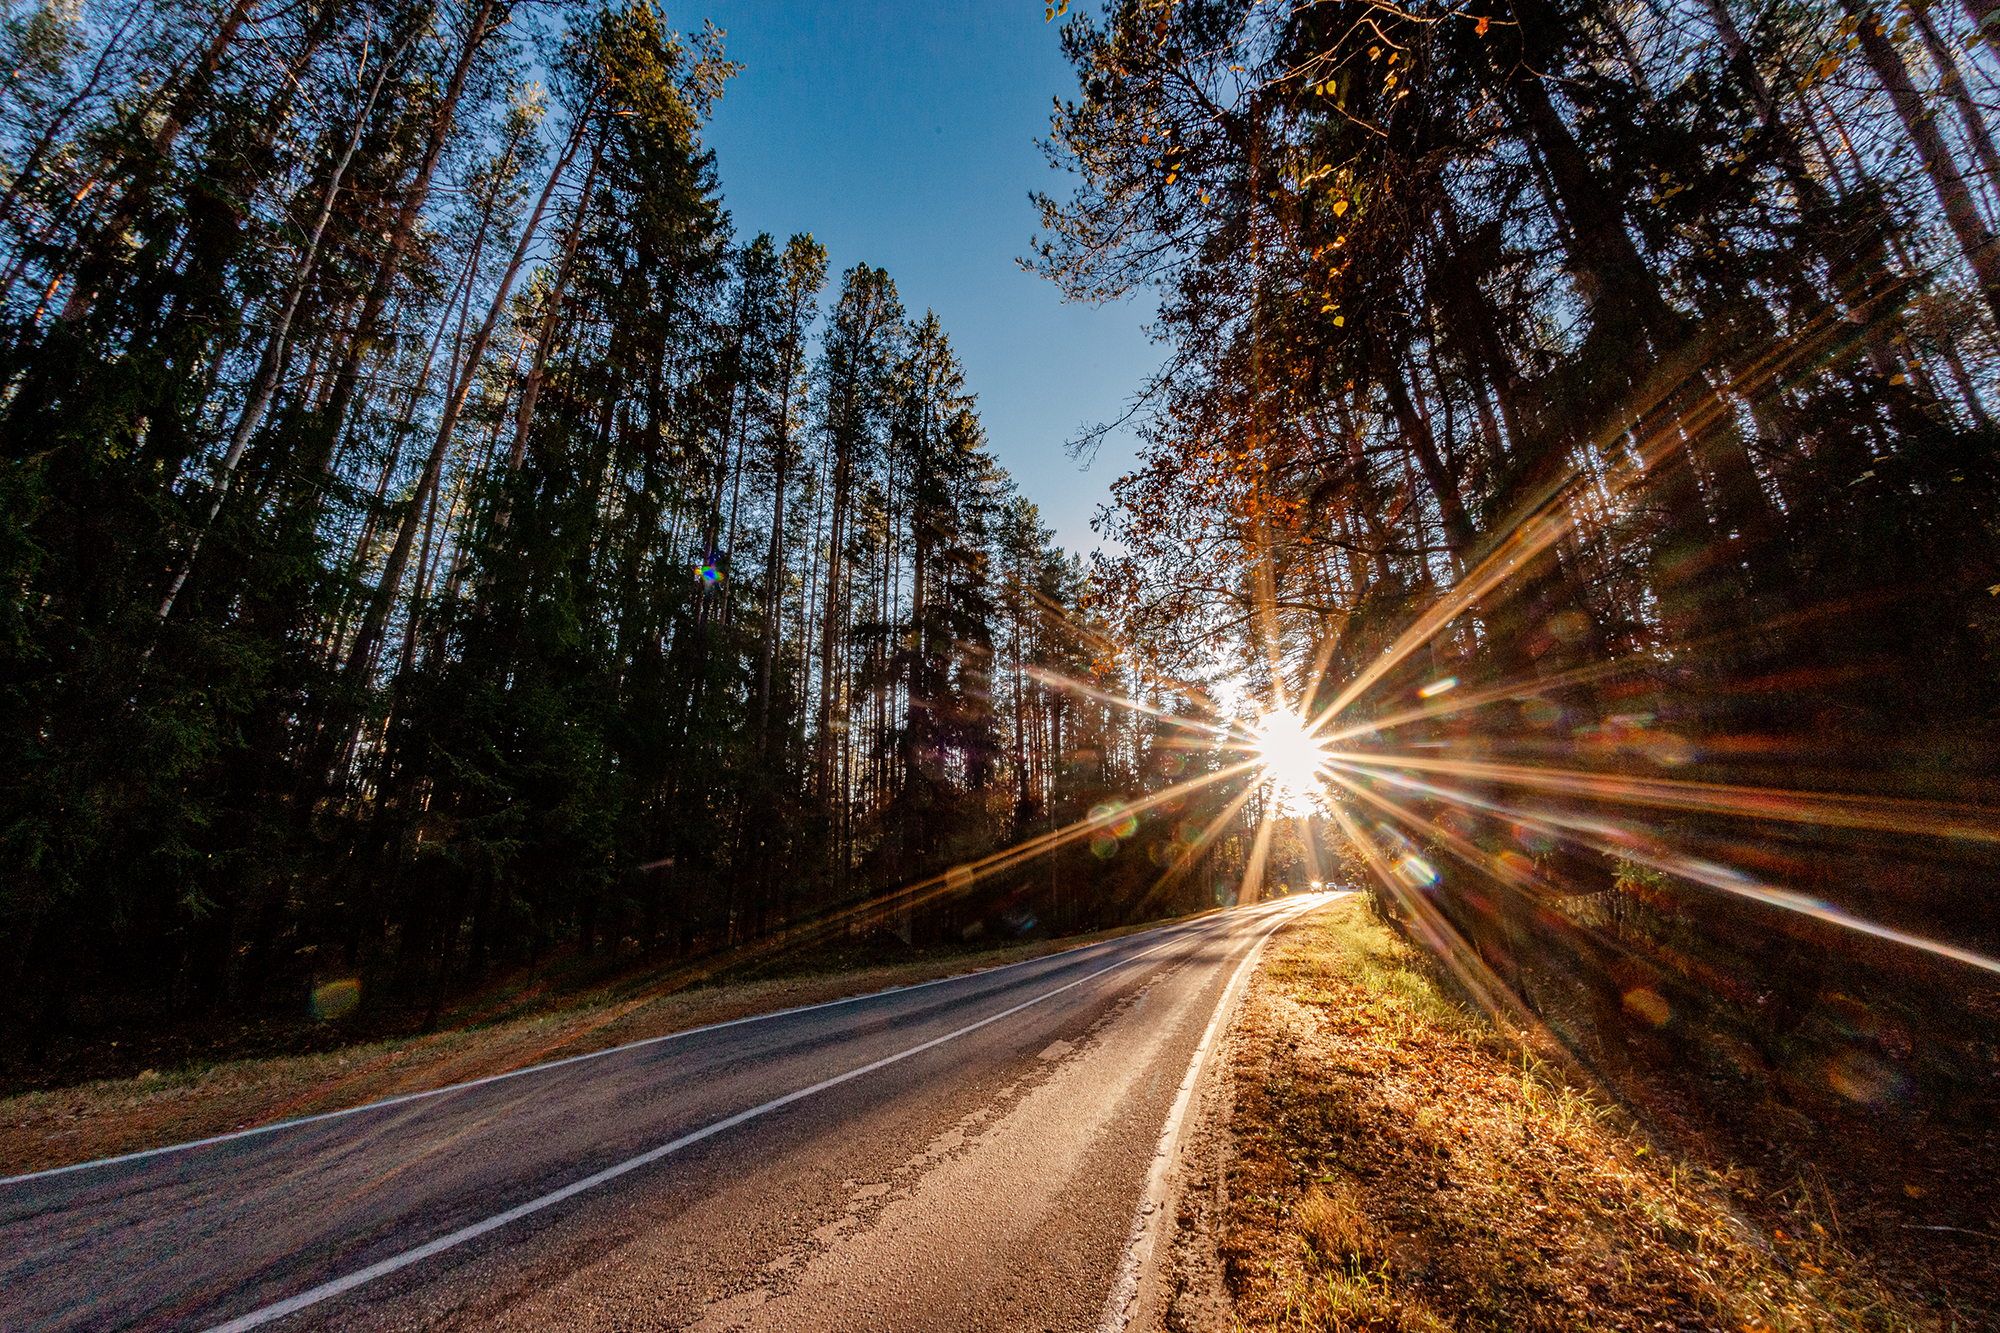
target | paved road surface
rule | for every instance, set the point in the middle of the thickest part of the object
(961, 1155)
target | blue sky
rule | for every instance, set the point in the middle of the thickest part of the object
(903, 134)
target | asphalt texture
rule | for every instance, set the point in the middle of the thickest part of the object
(988, 1180)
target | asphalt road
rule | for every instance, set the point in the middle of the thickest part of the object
(967, 1154)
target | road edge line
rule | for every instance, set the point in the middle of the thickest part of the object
(1142, 1242)
(402, 1098)
(382, 1268)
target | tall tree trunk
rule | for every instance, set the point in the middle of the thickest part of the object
(266, 383)
(31, 161)
(368, 328)
(1859, 275)
(100, 260)
(531, 388)
(1444, 487)
(774, 566)
(1979, 246)
(836, 535)
(1961, 97)
(392, 574)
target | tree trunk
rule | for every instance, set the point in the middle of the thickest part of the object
(774, 561)
(266, 383)
(367, 328)
(1417, 434)
(1974, 240)
(1986, 18)
(392, 574)
(836, 534)
(100, 260)
(1857, 270)
(531, 389)
(1961, 96)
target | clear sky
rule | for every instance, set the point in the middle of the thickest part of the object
(902, 134)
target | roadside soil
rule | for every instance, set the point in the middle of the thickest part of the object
(1382, 1158)
(509, 1026)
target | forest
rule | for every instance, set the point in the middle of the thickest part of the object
(436, 541)
(1581, 410)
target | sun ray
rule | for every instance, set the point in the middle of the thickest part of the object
(1185, 861)
(1056, 680)
(1544, 518)
(1445, 941)
(1935, 819)
(1630, 843)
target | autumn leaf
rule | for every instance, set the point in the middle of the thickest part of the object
(1480, 27)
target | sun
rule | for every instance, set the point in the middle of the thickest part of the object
(1291, 760)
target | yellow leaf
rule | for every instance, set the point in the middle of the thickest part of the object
(1898, 379)
(1339, 321)
(1339, 207)
(1915, 1191)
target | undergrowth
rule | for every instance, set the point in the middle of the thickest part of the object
(1403, 1166)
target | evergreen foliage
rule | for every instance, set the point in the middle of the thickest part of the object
(433, 538)
(1625, 367)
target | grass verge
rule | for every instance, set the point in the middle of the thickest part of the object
(1400, 1165)
(154, 1108)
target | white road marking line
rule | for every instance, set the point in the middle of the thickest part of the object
(350, 1281)
(1148, 1223)
(386, 1102)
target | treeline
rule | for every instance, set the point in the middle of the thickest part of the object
(1590, 402)
(432, 538)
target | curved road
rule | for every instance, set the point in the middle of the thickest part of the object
(981, 1152)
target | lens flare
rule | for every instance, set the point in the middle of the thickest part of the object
(1292, 759)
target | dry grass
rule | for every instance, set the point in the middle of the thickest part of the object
(106, 1117)
(1403, 1167)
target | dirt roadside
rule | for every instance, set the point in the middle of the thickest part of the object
(1372, 1156)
